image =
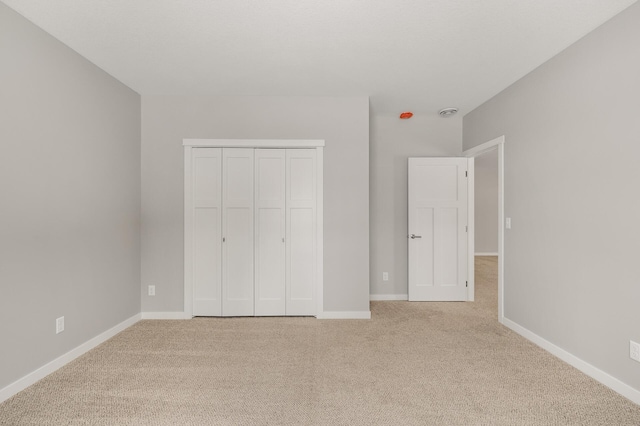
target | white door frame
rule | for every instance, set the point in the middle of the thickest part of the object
(497, 143)
(189, 144)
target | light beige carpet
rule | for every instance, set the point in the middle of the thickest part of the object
(411, 364)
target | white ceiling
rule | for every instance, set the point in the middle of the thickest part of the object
(417, 55)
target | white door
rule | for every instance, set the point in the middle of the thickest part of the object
(207, 225)
(237, 232)
(437, 229)
(270, 232)
(301, 232)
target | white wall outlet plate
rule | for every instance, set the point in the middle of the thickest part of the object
(385, 276)
(152, 290)
(59, 325)
(634, 350)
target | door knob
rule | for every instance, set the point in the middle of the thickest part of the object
(414, 236)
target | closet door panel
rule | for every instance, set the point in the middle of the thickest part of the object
(302, 182)
(301, 235)
(238, 179)
(302, 254)
(206, 273)
(239, 262)
(207, 204)
(238, 237)
(270, 232)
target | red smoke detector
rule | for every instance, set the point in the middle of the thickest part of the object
(406, 115)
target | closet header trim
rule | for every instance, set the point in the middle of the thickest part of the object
(254, 143)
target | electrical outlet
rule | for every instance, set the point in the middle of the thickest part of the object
(385, 276)
(634, 350)
(59, 325)
(152, 290)
(507, 223)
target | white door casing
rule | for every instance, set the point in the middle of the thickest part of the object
(437, 231)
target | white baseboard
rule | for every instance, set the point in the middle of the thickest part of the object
(344, 315)
(588, 369)
(388, 297)
(487, 254)
(62, 360)
(165, 315)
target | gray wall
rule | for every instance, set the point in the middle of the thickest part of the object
(342, 122)
(572, 133)
(393, 141)
(486, 203)
(69, 199)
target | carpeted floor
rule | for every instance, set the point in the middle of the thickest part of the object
(411, 364)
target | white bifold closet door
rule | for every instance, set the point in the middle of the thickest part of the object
(254, 239)
(301, 231)
(207, 236)
(237, 232)
(285, 245)
(270, 296)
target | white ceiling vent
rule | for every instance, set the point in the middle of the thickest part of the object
(447, 112)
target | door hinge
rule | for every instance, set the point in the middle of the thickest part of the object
(466, 174)
(466, 228)
(467, 283)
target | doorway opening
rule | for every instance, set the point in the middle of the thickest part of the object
(485, 149)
